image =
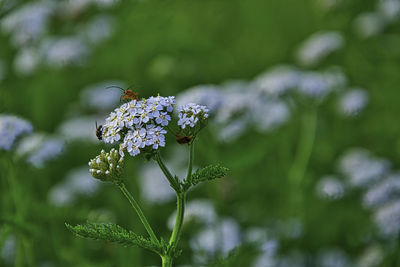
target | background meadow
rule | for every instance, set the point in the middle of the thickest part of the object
(303, 98)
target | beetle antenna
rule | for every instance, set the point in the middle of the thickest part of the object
(113, 86)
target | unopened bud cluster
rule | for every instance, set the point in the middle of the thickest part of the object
(107, 166)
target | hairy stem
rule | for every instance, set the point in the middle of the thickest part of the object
(180, 211)
(139, 212)
(166, 261)
(190, 164)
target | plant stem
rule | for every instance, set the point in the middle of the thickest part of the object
(166, 172)
(180, 212)
(166, 261)
(305, 146)
(302, 157)
(139, 212)
(190, 164)
(23, 252)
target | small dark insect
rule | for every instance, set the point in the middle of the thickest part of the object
(128, 94)
(99, 131)
(183, 139)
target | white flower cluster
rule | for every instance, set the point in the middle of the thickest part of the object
(330, 187)
(353, 102)
(139, 124)
(190, 114)
(11, 127)
(318, 46)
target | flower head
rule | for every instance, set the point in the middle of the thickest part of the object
(191, 115)
(138, 125)
(11, 127)
(107, 167)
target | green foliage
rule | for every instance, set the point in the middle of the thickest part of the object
(110, 232)
(240, 256)
(211, 172)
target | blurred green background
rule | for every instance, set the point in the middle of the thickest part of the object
(167, 47)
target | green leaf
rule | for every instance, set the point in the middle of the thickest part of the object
(208, 173)
(113, 233)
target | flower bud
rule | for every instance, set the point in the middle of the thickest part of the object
(107, 166)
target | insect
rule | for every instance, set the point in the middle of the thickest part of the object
(128, 94)
(99, 131)
(183, 139)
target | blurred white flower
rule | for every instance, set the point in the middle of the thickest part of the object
(383, 191)
(369, 24)
(201, 210)
(78, 182)
(333, 258)
(231, 131)
(268, 115)
(79, 129)
(371, 257)
(154, 185)
(28, 23)
(220, 237)
(39, 148)
(387, 218)
(48, 149)
(353, 101)
(99, 29)
(390, 9)
(26, 61)
(314, 85)
(101, 98)
(206, 95)
(268, 257)
(237, 98)
(73, 8)
(11, 127)
(329, 187)
(361, 168)
(328, 5)
(278, 80)
(319, 45)
(9, 249)
(64, 51)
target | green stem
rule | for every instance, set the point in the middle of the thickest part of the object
(180, 212)
(139, 212)
(305, 146)
(24, 250)
(190, 165)
(166, 172)
(166, 261)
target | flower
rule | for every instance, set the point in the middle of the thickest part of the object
(361, 168)
(330, 187)
(192, 115)
(139, 124)
(318, 46)
(11, 127)
(107, 167)
(278, 80)
(353, 102)
(207, 95)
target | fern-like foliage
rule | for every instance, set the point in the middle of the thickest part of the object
(207, 173)
(113, 233)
